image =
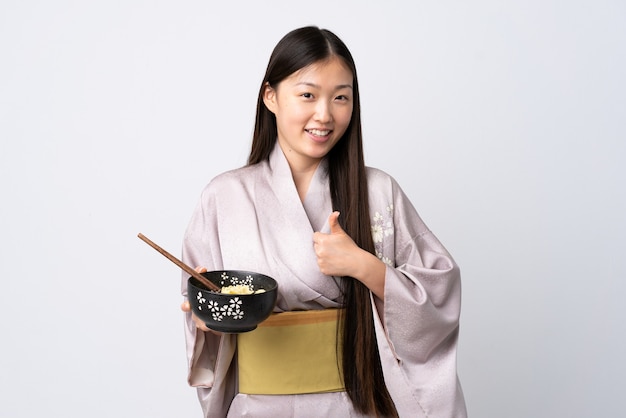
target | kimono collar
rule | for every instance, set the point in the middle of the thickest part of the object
(298, 220)
(317, 203)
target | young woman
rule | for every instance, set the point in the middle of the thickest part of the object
(338, 237)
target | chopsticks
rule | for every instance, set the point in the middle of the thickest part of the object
(206, 282)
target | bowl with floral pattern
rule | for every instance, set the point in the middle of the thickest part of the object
(246, 299)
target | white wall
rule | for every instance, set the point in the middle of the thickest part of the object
(503, 121)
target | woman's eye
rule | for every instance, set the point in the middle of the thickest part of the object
(307, 95)
(342, 98)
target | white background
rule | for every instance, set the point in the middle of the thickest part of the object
(503, 122)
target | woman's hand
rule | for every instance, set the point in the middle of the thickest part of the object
(186, 307)
(338, 255)
(335, 251)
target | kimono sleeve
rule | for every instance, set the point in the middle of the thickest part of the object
(421, 307)
(201, 248)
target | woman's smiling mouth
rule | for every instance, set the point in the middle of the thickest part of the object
(319, 134)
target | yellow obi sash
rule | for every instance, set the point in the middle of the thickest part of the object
(291, 353)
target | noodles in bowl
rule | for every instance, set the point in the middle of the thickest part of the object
(245, 300)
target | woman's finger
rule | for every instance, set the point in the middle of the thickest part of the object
(185, 306)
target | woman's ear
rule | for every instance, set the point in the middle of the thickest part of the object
(269, 97)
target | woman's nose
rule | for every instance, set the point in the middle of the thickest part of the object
(323, 112)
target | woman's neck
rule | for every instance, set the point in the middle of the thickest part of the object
(302, 179)
(302, 170)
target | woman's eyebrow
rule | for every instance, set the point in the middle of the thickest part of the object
(338, 87)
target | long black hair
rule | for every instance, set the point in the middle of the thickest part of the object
(362, 370)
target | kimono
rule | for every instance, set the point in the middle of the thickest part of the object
(252, 219)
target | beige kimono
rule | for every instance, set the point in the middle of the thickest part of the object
(252, 219)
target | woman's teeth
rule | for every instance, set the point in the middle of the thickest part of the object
(318, 132)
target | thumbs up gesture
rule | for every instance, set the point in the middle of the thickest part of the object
(336, 251)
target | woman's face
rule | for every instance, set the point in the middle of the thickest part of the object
(313, 107)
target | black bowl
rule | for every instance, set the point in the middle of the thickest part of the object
(233, 313)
